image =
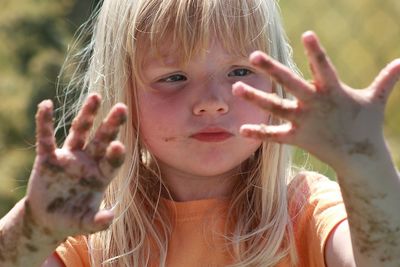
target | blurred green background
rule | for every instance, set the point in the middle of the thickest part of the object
(361, 36)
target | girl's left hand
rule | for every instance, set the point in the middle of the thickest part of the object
(328, 118)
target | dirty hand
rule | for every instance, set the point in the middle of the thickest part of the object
(328, 118)
(66, 185)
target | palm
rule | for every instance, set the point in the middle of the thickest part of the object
(343, 121)
(66, 185)
(328, 118)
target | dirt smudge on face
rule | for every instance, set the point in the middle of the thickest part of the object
(169, 139)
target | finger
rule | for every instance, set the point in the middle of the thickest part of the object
(45, 141)
(102, 220)
(113, 160)
(323, 71)
(386, 81)
(107, 131)
(92, 221)
(82, 123)
(284, 108)
(282, 75)
(276, 133)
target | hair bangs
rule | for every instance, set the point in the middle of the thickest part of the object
(240, 26)
(186, 28)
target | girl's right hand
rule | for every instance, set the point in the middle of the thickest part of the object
(67, 185)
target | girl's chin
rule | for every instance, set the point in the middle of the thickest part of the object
(212, 170)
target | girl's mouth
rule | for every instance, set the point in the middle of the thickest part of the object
(212, 135)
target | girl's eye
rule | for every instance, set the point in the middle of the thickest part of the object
(240, 72)
(174, 78)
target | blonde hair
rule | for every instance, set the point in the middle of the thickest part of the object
(262, 233)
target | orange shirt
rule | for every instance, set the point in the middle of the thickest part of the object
(315, 204)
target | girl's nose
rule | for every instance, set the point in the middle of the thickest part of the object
(210, 106)
(212, 97)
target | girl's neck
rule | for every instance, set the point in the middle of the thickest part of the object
(187, 187)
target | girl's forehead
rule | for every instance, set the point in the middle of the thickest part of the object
(170, 54)
(166, 60)
(161, 55)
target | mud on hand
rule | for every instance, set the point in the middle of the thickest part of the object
(67, 184)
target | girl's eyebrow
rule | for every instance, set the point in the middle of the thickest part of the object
(160, 62)
(169, 60)
(235, 60)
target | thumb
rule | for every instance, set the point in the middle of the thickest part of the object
(101, 221)
(386, 80)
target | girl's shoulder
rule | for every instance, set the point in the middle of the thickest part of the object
(313, 191)
(316, 208)
(307, 183)
(74, 251)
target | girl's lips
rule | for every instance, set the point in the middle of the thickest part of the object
(212, 135)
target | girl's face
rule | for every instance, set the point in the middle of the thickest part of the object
(189, 118)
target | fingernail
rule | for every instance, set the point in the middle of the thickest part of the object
(237, 88)
(46, 104)
(95, 96)
(94, 104)
(260, 59)
(245, 132)
(309, 36)
(256, 57)
(308, 33)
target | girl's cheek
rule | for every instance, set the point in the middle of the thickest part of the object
(246, 112)
(160, 115)
(260, 82)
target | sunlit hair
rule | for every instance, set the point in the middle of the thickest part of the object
(121, 31)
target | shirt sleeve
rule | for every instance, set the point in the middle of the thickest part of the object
(316, 207)
(74, 252)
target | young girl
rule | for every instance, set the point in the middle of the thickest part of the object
(206, 178)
